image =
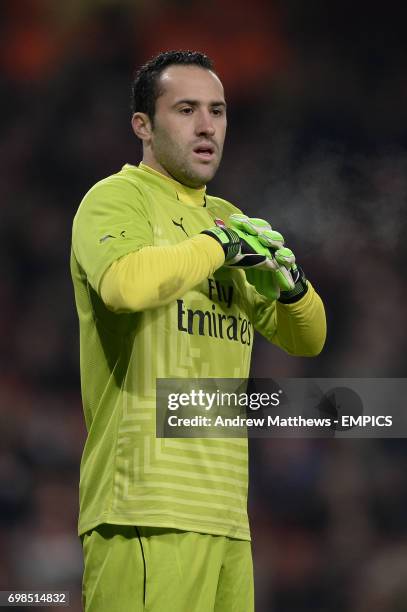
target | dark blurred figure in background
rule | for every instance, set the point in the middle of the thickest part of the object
(328, 89)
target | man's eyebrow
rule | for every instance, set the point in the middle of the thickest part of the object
(197, 103)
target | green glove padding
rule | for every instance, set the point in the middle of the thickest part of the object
(282, 279)
(241, 250)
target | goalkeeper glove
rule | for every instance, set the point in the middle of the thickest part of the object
(241, 249)
(287, 283)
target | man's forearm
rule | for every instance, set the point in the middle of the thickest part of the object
(157, 275)
(301, 327)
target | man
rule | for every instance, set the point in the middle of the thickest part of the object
(163, 522)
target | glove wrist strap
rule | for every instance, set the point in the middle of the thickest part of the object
(228, 239)
(300, 289)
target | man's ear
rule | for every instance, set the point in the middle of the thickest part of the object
(141, 125)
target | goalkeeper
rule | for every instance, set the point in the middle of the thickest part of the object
(171, 282)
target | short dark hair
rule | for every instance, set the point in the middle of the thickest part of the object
(144, 90)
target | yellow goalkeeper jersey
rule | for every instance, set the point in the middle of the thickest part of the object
(128, 476)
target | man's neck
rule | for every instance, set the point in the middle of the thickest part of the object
(151, 162)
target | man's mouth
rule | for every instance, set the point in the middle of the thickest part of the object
(204, 151)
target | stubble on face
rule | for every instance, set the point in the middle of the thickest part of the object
(180, 127)
(173, 158)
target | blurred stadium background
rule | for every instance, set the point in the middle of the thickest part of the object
(317, 143)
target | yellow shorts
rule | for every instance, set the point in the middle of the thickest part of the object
(135, 569)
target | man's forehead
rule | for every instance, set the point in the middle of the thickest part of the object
(187, 80)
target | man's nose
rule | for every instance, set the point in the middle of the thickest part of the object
(204, 124)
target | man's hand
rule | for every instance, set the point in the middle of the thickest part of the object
(242, 249)
(284, 280)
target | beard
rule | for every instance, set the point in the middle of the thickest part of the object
(178, 162)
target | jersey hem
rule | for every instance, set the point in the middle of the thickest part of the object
(168, 523)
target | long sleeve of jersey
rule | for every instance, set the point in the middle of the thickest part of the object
(157, 275)
(299, 328)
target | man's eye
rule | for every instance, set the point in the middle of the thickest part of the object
(187, 110)
(217, 112)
